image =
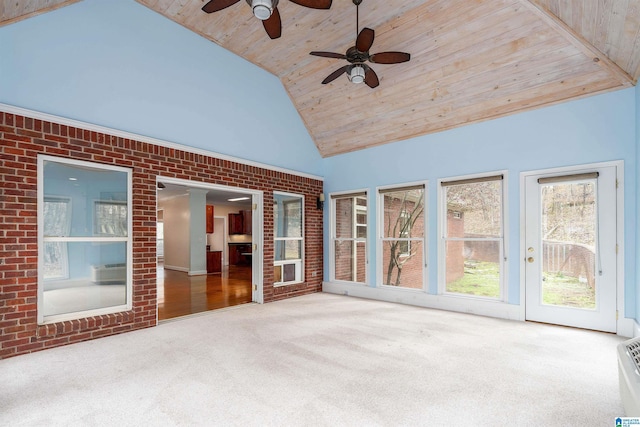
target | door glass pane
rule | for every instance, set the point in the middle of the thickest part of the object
(568, 229)
(473, 267)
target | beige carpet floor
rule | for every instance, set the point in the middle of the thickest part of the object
(321, 360)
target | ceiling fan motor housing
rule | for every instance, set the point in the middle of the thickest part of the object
(262, 9)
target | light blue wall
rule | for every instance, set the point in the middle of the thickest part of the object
(118, 64)
(637, 280)
(596, 129)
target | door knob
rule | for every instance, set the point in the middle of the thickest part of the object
(530, 259)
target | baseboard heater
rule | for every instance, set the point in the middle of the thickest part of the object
(629, 376)
(109, 273)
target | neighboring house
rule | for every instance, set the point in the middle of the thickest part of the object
(124, 91)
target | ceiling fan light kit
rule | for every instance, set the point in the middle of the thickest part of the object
(262, 9)
(356, 75)
(357, 55)
(266, 11)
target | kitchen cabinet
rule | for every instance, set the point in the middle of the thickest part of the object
(214, 261)
(240, 223)
(246, 222)
(235, 224)
(240, 254)
(209, 217)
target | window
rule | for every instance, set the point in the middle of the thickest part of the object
(472, 243)
(349, 237)
(402, 237)
(289, 234)
(84, 239)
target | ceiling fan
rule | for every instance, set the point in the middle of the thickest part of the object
(266, 11)
(357, 55)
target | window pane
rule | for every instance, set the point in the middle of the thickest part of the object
(350, 261)
(82, 186)
(402, 263)
(404, 214)
(478, 207)
(57, 216)
(110, 219)
(473, 267)
(56, 263)
(287, 215)
(344, 218)
(288, 249)
(97, 279)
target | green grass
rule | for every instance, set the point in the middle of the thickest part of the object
(480, 278)
(567, 291)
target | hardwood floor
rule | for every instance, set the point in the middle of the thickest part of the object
(180, 294)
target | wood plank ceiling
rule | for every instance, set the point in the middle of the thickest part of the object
(471, 60)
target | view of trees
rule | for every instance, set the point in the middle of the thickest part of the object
(403, 219)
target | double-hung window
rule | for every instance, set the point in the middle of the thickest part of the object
(349, 237)
(472, 244)
(84, 239)
(289, 237)
(402, 236)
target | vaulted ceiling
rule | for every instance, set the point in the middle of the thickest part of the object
(471, 60)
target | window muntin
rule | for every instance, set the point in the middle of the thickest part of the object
(83, 271)
(473, 241)
(403, 236)
(288, 238)
(349, 237)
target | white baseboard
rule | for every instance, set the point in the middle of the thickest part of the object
(462, 304)
(176, 268)
(197, 272)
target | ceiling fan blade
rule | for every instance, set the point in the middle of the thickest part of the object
(314, 4)
(273, 25)
(389, 57)
(331, 77)
(365, 39)
(328, 54)
(216, 5)
(371, 78)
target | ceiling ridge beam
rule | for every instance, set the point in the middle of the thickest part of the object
(579, 42)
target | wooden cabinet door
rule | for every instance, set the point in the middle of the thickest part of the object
(246, 222)
(209, 217)
(235, 223)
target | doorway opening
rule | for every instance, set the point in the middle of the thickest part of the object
(198, 267)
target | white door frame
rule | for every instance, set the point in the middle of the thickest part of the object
(257, 274)
(624, 325)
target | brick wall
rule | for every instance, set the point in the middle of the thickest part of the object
(23, 138)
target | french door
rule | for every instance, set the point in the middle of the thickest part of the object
(570, 253)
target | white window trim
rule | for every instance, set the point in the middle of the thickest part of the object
(504, 250)
(332, 233)
(299, 263)
(129, 242)
(380, 239)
